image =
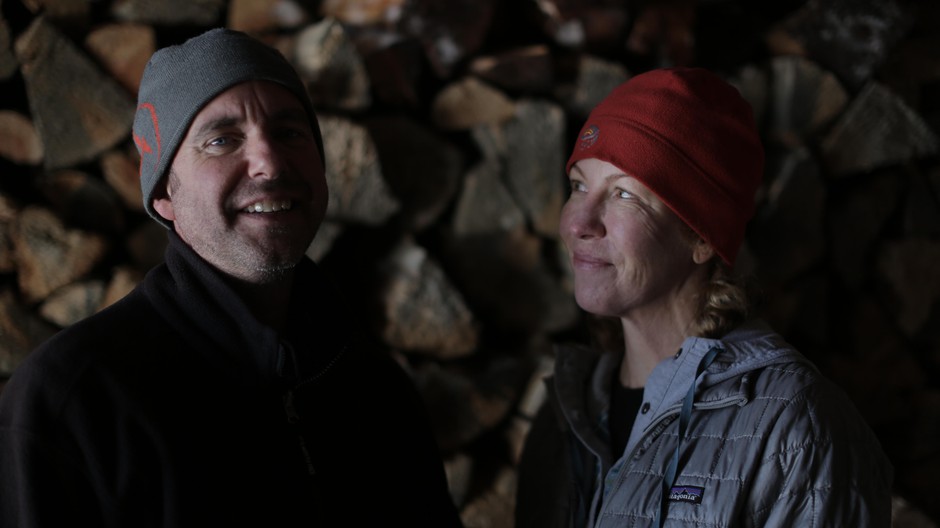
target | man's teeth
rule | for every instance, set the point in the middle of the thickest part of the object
(268, 207)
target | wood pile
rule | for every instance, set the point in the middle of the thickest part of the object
(447, 124)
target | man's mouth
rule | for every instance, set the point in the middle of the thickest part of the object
(269, 206)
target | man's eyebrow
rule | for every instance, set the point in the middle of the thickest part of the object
(291, 115)
(288, 115)
(213, 125)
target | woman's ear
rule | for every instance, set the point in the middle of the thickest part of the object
(702, 251)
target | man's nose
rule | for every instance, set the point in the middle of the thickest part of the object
(264, 157)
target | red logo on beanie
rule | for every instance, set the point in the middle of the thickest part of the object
(588, 137)
(146, 151)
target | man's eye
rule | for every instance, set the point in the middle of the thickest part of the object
(624, 194)
(577, 186)
(219, 142)
(293, 133)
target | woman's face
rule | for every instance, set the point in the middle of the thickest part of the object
(630, 253)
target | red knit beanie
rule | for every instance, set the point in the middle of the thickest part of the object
(689, 137)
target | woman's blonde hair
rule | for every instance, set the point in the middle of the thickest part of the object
(725, 302)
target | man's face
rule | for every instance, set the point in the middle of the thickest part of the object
(246, 189)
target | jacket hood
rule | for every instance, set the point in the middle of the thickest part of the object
(582, 379)
(746, 349)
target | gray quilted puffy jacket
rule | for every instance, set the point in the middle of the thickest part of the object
(769, 443)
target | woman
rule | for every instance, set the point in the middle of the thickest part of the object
(706, 417)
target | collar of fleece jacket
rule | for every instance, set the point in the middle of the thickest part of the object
(200, 304)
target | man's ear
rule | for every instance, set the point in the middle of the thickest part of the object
(162, 201)
(702, 251)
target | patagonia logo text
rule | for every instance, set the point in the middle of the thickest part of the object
(692, 494)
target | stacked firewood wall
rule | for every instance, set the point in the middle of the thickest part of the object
(447, 124)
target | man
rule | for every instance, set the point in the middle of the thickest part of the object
(229, 388)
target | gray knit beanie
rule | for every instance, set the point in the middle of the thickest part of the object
(180, 80)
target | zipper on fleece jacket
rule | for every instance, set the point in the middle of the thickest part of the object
(294, 418)
(652, 431)
(685, 417)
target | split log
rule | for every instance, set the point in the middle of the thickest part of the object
(535, 168)
(804, 100)
(83, 201)
(459, 470)
(528, 69)
(876, 130)
(802, 308)
(78, 111)
(73, 302)
(8, 62)
(330, 64)
(849, 37)
(666, 32)
(921, 207)
(359, 13)
(787, 234)
(914, 62)
(859, 215)
(450, 30)
(606, 27)
(494, 507)
(508, 284)
(326, 235)
(19, 141)
(423, 312)
(21, 330)
(60, 10)
(903, 513)
(395, 69)
(485, 204)
(123, 280)
(917, 465)
(123, 50)
(8, 213)
(120, 169)
(899, 263)
(204, 13)
(50, 255)
(265, 16)
(596, 78)
(468, 103)
(478, 191)
(147, 244)
(464, 405)
(422, 168)
(534, 396)
(559, 19)
(878, 366)
(358, 192)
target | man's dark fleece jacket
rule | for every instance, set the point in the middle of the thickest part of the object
(175, 407)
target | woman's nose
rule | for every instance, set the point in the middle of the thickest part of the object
(582, 219)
